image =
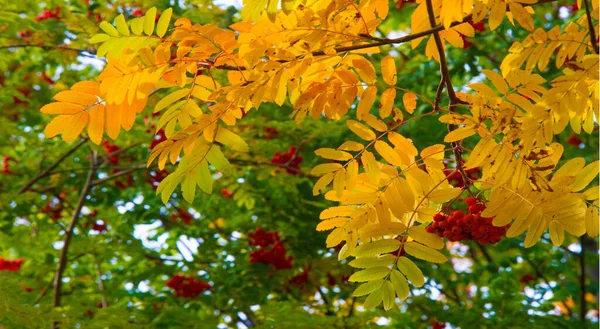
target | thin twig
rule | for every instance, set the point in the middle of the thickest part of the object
(62, 262)
(82, 52)
(591, 26)
(454, 101)
(47, 171)
(100, 283)
(118, 174)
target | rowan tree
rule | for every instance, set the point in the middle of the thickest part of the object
(299, 164)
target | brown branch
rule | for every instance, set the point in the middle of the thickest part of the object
(454, 101)
(82, 52)
(47, 171)
(100, 282)
(117, 175)
(62, 262)
(591, 26)
(326, 301)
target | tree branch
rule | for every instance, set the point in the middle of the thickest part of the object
(47, 171)
(117, 174)
(591, 26)
(82, 52)
(62, 262)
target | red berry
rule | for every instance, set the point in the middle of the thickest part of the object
(438, 217)
(458, 214)
(471, 201)
(431, 229)
(456, 230)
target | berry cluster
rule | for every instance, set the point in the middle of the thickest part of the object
(11, 265)
(465, 227)
(54, 211)
(158, 138)
(437, 325)
(479, 26)
(25, 93)
(574, 140)
(110, 149)
(456, 178)
(187, 287)
(185, 216)
(275, 255)
(137, 12)
(48, 14)
(99, 226)
(300, 280)
(270, 133)
(6, 165)
(525, 279)
(156, 177)
(290, 160)
(123, 184)
(225, 192)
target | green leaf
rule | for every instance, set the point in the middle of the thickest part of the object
(121, 25)
(400, 284)
(109, 29)
(163, 22)
(149, 20)
(367, 288)
(203, 177)
(412, 271)
(218, 160)
(98, 38)
(369, 274)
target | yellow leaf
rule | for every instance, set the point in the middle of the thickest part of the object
(373, 261)
(329, 224)
(444, 195)
(388, 153)
(400, 285)
(204, 178)
(351, 146)
(121, 25)
(387, 102)
(62, 108)
(230, 139)
(217, 159)
(325, 168)
(333, 154)
(366, 102)
(163, 22)
(388, 70)
(557, 233)
(370, 274)
(335, 237)
(109, 29)
(419, 234)
(389, 296)
(412, 271)
(591, 221)
(338, 182)
(423, 252)
(365, 69)
(374, 299)
(376, 247)
(585, 176)
(322, 183)
(367, 288)
(171, 98)
(76, 97)
(361, 130)
(371, 166)
(497, 80)
(57, 125)
(149, 20)
(410, 102)
(460, 133)
(96, 126)
(351, 174)
(75, 126)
